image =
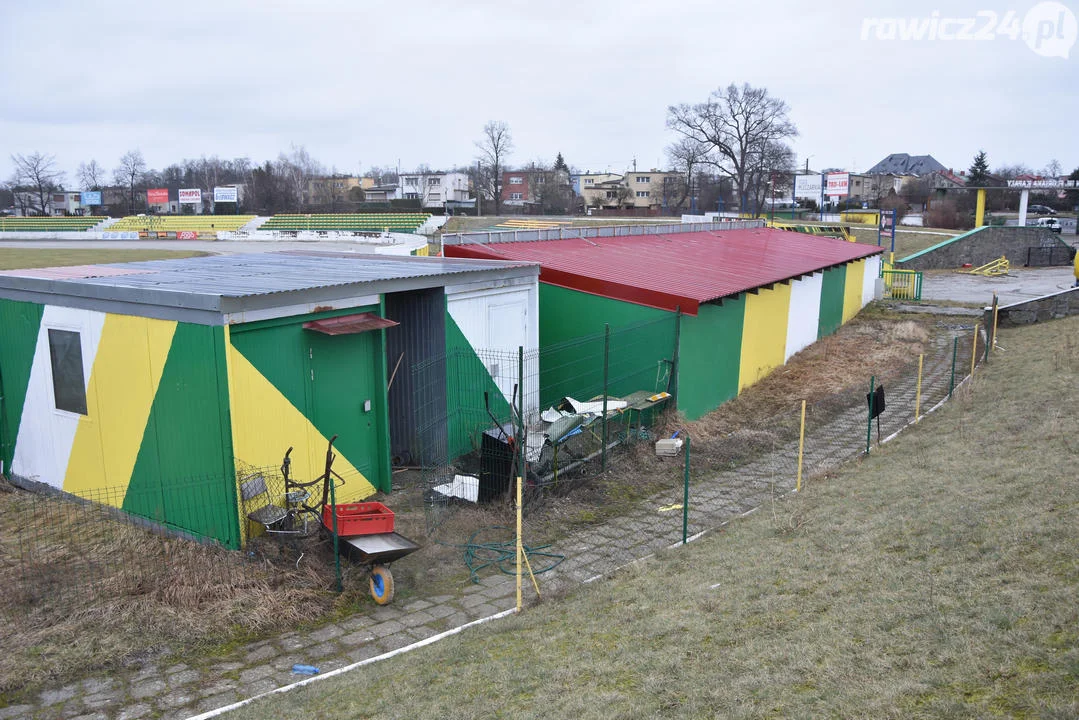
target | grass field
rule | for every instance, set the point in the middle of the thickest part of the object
(13, 258)
(907, 242)
(935, 578)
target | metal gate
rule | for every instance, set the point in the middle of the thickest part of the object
(902, 284)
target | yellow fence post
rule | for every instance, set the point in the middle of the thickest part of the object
(520, 545)
(974, 350)
(801, 448)
(918, 393)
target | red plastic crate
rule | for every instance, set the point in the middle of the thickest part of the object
(366, 518)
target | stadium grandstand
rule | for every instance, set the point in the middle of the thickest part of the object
(202, 224)
(348, 222)
(49, 224)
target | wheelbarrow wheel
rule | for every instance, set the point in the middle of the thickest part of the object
(381, 584)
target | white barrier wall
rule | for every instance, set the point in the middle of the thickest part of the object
(803, 319)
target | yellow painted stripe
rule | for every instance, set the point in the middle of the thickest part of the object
(265, 424)
(852, 289)
(127, 369)
(764, 333)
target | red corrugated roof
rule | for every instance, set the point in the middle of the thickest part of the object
(677, 270)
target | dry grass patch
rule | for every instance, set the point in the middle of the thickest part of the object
(85, 592)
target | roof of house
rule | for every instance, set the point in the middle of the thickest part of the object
(219, 289)
(904, 164)
(680, 270)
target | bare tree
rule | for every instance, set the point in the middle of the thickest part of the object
(91, 175)
(1053, 169)
(685, 157)
(736, 124)
(36, 175)
(130, 173)
(495, 146)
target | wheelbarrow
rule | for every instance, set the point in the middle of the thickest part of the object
(367, 537)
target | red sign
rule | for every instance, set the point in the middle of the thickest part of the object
(157, 196)
(187, 235)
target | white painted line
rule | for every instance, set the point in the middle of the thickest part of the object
(353, 666)
(594, 578)
(713, 587)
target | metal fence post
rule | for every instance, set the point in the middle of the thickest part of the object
(336, 546)
(801, 448)
(974, 349)
(685, 497)
(918, 394)
(869, 422)
(955, 350)
(522, 470)
(606, 375)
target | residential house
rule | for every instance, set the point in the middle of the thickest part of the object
(905, 165)
(433, 189)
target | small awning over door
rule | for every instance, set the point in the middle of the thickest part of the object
(349, 324)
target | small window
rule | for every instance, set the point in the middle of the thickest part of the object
(68, 385)
(588, 181)
(514, 180)
(515, 196)
(644, 179)
(643, 193)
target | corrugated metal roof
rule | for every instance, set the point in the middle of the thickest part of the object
(204, 289)
(265, 273)
(676, 270)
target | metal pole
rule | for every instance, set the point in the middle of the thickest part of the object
(801, 448)
(606, 370)
(955, 350)
(918, 394)
(522, 470)
(685, 498)
(336, 546)
(869, 422)
(673, 384)
(520, 544)
(974, 349)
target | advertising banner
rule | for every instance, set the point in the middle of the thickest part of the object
(838, 184)
(90, 197)
(187, 235)
(224, 194)
(157, 196)
(807, 187)
(190, 195)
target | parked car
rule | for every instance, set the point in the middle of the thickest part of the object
(1052, 223)
(1041, 210)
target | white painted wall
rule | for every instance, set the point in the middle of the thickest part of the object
(869, 280)
(46, 434)
(501, 318)
(803, 318)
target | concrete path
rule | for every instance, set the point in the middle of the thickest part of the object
(158, 690)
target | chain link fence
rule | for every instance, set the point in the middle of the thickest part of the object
(598, 494)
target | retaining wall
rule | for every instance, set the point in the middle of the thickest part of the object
(980, 246)
(1048, 307)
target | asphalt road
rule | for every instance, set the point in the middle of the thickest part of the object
(1018, 285)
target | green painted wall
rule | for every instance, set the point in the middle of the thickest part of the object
(571, 338)
(184, 475)
(466, 381)
(279, 350)
(19, 323)
(831, 300)
(709, 356)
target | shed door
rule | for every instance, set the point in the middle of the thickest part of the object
(344, 397)
(506, 330)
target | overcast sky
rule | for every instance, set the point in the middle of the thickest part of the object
(368, 83)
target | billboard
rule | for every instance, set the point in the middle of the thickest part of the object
(90, 197)
(190, 195)
(224, 194)
(838, 184)
(807, 187)
(157, 196)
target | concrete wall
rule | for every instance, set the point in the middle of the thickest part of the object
(1048, 307)
(980, 246)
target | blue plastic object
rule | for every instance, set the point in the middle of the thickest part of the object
(304, 669)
